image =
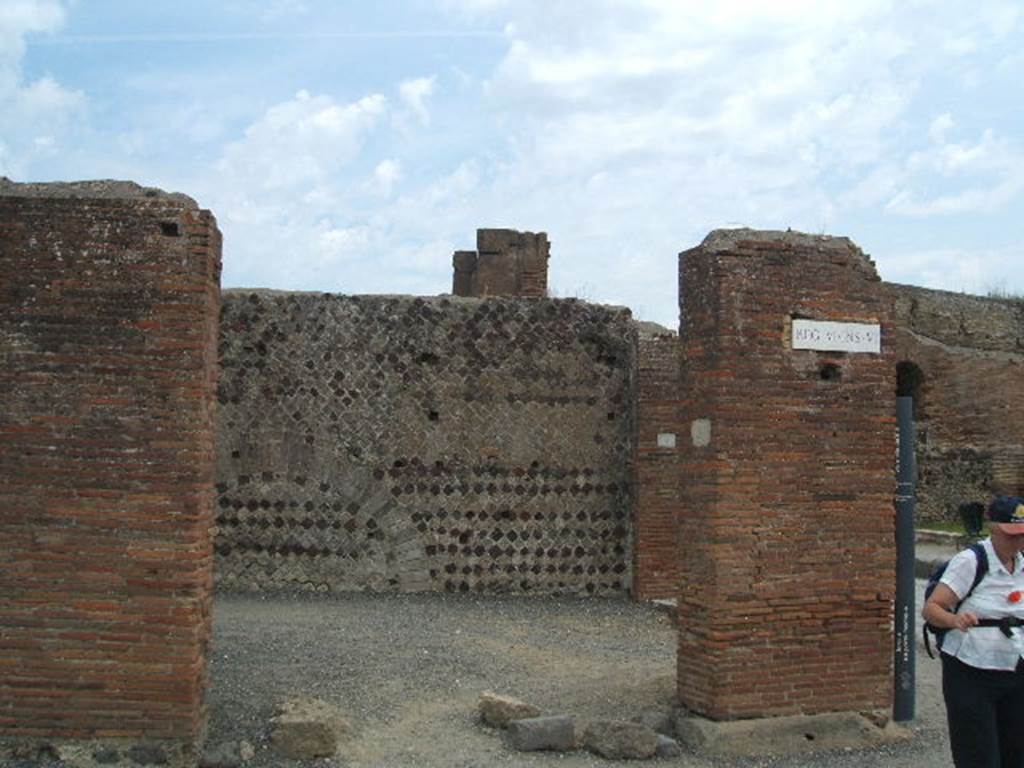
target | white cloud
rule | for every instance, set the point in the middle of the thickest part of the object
(415, 94)
(386, 174)
(939, 127)
(971, 271)
(301, 142)
(33, 115)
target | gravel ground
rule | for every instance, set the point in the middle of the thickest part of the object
(407, 670)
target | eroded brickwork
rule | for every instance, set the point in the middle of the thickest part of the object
(424, 444)
(505, 263)
(656, 570)
(968, 352)
(108, 313)
(786, 527)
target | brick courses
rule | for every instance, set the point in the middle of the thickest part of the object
(786, 523)
(656, 501)
(108, 312)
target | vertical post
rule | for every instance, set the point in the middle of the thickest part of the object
(906, 621)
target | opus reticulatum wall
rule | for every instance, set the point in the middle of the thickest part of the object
(400, 443)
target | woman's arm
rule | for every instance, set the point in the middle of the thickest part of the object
(938, 610)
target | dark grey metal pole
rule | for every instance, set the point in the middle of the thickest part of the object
(906, 613)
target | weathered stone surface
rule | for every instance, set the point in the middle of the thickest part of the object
(620, 740)
(148, 754)
(658, 720)
(246, 751)
(305, 729)
(102, 189)
(556, 732)
(106, 756)
(223, 755)
(668, 747)
(498, 711)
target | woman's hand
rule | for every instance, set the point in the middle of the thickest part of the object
(964, 621)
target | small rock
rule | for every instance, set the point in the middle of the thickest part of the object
(557, 732)
(499, 711)
(147, 754)
(658, 720)
(106, 756)
(620, 740)
(668, 747)
(223, 755)
(305, 729)
(246, 751)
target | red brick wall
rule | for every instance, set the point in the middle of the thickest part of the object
(786, 525)
(656, 559)
(108, 313)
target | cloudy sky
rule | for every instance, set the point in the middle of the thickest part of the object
(351, 146)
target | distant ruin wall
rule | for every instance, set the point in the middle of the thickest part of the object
(964, 358)
(400, 443)
(108, 314)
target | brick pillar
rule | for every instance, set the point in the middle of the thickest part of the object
(786, 528)
(108, 324)
(656, 482)
(505, 263)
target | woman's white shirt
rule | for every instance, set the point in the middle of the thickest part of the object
(986, 647)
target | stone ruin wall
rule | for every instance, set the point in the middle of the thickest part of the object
(970, 427)
(401, 443)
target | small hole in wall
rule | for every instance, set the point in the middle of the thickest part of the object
(809, 736)
(830, 372)
(433, 415)
(169, 229)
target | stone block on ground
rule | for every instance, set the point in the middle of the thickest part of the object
(498, 711)
(556, 732)
(620, 740)
(305, 729)
(658, 720)
(781, 735)
(668, 747)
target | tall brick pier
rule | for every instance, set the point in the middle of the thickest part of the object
(786, 519)
(108, 325)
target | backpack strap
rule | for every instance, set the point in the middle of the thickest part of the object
(980, 570)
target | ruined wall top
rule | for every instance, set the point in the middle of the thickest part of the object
(743, 241)
(506, 262)
(102, 189)
(982, 323)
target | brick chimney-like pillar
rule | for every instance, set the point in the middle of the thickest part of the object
(506, 263)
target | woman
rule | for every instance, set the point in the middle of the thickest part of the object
(982, 664)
